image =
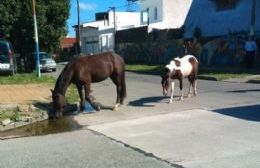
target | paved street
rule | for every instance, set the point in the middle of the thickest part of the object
(218, 128)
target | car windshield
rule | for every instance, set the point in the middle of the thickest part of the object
(3, 48)
(45, 55)
(4, 58)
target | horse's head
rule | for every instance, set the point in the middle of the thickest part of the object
(59, 104)
(165, 81)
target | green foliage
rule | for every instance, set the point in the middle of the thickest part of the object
(15, 116)
(72, 95)
(175, 33)
(9, 114)
(16, 23)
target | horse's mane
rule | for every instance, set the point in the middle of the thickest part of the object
(64, 79)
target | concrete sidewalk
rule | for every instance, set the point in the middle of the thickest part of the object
(190, 139)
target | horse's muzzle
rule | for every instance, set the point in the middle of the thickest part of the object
(57, 115)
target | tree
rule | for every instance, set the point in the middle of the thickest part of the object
(16, 23)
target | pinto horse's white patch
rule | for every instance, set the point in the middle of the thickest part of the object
(185, 65)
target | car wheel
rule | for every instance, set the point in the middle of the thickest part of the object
(54, 69)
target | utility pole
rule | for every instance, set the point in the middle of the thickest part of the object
(115, 27)
(78, 31)
(38, 71)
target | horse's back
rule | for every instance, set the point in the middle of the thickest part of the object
(97, 67)
(188, 65)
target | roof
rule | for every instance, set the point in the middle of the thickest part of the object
(68, 40)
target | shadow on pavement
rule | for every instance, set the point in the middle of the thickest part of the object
(144, 102)
(251, 112)
(71, 109)
(244, 91)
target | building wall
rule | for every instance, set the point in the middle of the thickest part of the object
(212, 22)
(171, 13)
(125, 20)
(89, 40)
(151, 5)
(104, 32)
(175, 12)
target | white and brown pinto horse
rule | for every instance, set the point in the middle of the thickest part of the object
(180, 68)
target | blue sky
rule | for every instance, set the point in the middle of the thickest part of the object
(88, 8)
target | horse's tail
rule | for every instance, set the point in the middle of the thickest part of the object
(123, 94)
(196, 67)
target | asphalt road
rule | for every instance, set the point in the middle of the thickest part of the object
(217, 128)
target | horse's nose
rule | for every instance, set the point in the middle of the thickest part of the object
(58, 115)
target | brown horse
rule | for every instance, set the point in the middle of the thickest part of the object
(179, 68)
(85, 70)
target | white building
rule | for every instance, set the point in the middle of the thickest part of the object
(164, 14)
(98, 36)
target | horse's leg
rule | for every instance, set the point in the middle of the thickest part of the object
(172, 91)
(123, 89)
(88, 98)
(181, 97)
(191, 80)
(117, 82)
(82, 97)
(195, 87)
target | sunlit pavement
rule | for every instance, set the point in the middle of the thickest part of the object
(218, 128)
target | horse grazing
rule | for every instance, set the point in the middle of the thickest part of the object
(179, 68)
(85, 70)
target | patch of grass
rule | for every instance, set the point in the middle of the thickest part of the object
(217, 72)
(224, 76)
(144, 68)
(226, 72)
(26, 79)
(11, 114)
(72, 95)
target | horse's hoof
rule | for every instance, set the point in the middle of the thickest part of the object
(181, 99)
(98, 108)
(80, 111)
(116, 107)
(189, 95)
(170, 101)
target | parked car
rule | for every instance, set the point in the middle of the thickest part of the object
(7, 58)
(47, 63)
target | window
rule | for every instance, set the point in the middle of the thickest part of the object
(225, 4)
(144, 17)
(155, 13)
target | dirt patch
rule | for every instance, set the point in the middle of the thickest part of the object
(26, 103)
(24, 94)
